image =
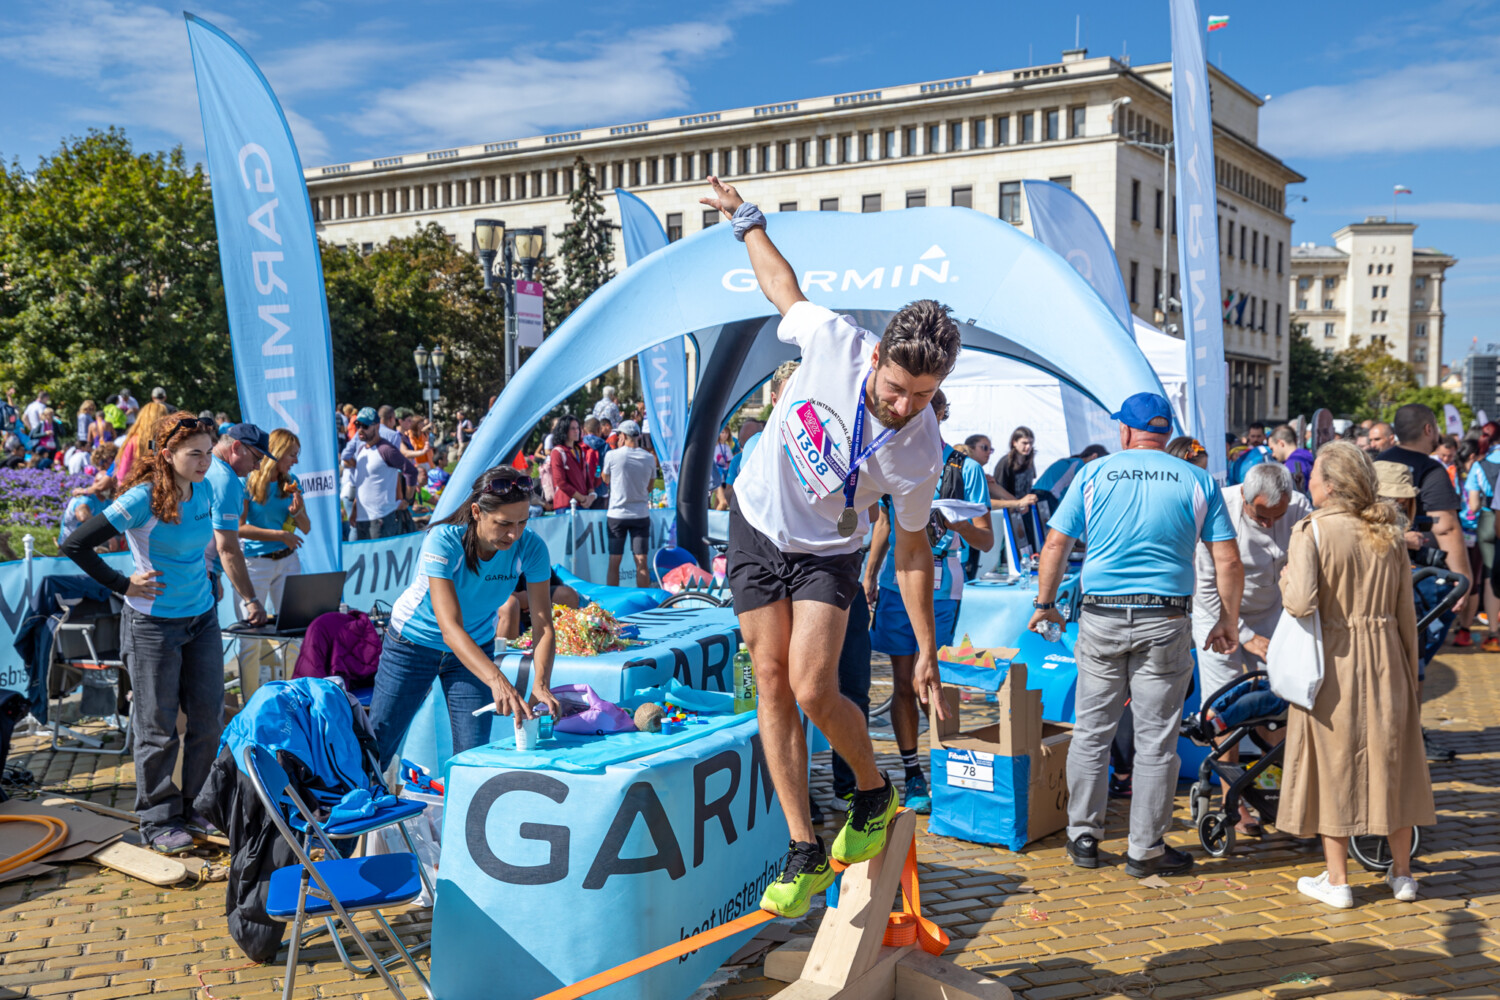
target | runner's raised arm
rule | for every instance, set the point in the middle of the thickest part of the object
(777, 279)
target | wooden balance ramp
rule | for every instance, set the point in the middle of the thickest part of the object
(848, 959)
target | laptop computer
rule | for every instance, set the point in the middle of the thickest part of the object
(303, 598)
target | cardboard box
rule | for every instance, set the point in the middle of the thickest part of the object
(1004, 783)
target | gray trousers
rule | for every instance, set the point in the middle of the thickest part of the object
(173, 663)
(1153, 658)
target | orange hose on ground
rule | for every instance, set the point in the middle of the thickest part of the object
(57, 832)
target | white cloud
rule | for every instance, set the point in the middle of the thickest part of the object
(1418, 108)
(637, 76)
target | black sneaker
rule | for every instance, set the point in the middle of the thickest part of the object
(1119, 788)
(1169, 862)
(1084, 850)
(814, 811)
(1435, 753)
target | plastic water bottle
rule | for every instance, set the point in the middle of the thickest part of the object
(744, 681)
(1052, 631)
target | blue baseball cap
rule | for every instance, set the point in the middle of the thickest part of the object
(1146, 411)
(251, 435)
(367, 417)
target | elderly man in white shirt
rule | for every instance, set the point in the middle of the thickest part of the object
(1263, 509)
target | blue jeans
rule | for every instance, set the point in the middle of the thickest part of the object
(1429, 593)
(406, 673)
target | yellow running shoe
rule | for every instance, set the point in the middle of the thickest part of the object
(805, 872)
(863, 834)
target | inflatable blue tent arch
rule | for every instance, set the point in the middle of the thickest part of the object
(1011, 296)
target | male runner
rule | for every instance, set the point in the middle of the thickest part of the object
(854, 423)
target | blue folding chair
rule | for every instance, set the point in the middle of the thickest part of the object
(668, 558)
(334, 887)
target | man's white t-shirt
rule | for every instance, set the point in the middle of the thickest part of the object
(808, 435)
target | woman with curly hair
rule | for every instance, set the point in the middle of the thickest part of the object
(170, 627)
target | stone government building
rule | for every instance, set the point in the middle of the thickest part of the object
(967, 141)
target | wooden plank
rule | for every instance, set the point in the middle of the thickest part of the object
(148, 866)
(920, 976)
(849, 941)
(63, 801)
(804, 990)
(785, 964)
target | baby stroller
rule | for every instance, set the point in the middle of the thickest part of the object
(1242, 708)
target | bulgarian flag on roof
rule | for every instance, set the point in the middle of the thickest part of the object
(1217, 21)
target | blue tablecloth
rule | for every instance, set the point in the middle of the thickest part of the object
(549, 876)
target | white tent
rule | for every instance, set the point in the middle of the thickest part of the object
(991, 395)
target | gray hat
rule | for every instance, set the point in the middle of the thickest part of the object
(630, 428)
(159, 393)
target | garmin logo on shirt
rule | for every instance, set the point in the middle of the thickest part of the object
(1116, 475)
(491, 578)
(207, 513)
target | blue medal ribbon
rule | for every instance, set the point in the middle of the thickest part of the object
(857, 437)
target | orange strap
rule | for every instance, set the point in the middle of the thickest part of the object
(928, 934)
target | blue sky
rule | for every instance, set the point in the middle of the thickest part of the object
(1363, 95)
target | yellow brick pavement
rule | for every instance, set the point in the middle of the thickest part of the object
(1234, 930)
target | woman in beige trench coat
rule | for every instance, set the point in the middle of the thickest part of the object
(1355, 763)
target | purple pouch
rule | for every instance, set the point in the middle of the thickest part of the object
(584, 713)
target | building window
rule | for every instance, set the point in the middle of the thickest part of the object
(1254, 247)
(1276, 392)
(1327, 331)
(850, 152)
(1301, 284)
(1374, 291)
(1330, 282)
(1301, 303)
(650, 175)
(674, 227)
(1051, 119)
(1265, 253)
(892, 142)
(1278, 319)
(763, 158)
(806, 159)
(976, 134)
(787, 206)
(668, 170)
(963, 197)
(785, 157)
(1374, 315)
(1010, 202)
(869, 203)
(1421, 283)
(746, 166)
(1135, 277)
(916, 199)
(1384, 289)
(869, 150)
(825, 151)
(1135, 201)
(1242, 242)
(1156, 290)
(1421, 329)
(1421, 354)
(1327, 303)
(934, 139)
(909, 138)
(1419, 304)
(1075, 121)
(1159, 208)
(1370, 269)
(1028, 127)
(1065, 180)
(828, 205)
(955, 136)
(1229, 243)
(710, 217)
(1002, 130)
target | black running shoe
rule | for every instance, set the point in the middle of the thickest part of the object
(1169, 862)
(1435, 753)
(1084, 850)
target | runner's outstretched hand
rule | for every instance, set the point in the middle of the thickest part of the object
(726, 199)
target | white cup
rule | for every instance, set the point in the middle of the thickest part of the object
(527, 734)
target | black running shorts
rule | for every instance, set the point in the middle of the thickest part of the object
(639, 530)
(761, 574)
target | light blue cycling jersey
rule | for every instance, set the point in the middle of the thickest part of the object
(173, 550)
(228, 498)
(1141, 513)
(479, 594)
(272, 514)
(949, 573)
(93, 504)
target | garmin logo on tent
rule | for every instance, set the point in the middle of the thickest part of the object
(742, 279)
(267, 281)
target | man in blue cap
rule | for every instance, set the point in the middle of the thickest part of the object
(1141, 513)
(236, 454)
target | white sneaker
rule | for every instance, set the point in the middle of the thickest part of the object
(1339, 896)
(1403, 887)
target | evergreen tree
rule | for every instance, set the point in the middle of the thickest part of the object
(586, 251)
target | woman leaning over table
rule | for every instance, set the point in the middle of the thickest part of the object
(1355, 764)
(272, 498)
(170, 629)
(443, 626)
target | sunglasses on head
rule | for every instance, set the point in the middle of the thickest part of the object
(505, 487)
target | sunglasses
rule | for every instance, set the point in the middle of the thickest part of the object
(195, 423)
(504, 487)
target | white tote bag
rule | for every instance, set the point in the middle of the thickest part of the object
(1294, 660)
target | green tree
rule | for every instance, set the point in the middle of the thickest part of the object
(413, 290)
(109, 277)
(1321, 378)
(586, 251)
(1434, 398)
(1388, 376)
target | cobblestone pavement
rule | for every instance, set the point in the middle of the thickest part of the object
(1235, 929)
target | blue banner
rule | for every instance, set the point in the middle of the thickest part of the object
(273, 276)
(1063, 222)
(664, 366)
(1198, 226)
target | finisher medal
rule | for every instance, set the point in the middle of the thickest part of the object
(848, 521)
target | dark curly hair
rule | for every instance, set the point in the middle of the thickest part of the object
(922, 338)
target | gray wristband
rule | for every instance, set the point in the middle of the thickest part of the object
(746, 218)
